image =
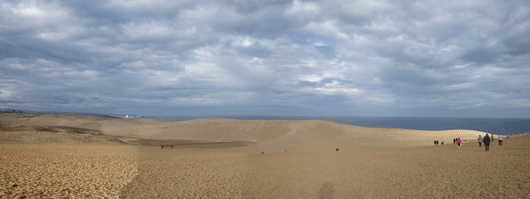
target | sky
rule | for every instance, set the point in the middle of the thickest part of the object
(462, 58)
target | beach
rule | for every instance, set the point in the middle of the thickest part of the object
(67, 156)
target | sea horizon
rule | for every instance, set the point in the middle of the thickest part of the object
(503, 126)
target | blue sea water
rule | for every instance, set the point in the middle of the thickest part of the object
(504, 126)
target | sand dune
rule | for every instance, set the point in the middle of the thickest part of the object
(80, 156)
(298, 135)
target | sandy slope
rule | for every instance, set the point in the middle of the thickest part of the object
(425, 172)
(410, 172)
(299, 160)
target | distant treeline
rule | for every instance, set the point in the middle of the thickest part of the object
(16, 111)
(36, 112)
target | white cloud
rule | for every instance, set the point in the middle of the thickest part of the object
(294, 54)
(299, 6)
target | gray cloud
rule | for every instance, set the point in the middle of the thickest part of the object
(387, 58)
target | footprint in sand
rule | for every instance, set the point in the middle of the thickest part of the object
(326, 191)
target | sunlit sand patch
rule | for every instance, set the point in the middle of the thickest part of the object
(65, 170)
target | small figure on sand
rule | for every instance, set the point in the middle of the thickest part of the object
(454, 140)
(479, 140)
(442, 142)
(500, 139)
(459, 142)
(487, 142)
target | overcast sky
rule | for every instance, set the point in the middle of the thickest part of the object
(290, 58)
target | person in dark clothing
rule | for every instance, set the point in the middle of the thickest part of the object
(487, 142)
(454, 141)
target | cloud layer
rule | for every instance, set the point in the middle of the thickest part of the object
(359, 58)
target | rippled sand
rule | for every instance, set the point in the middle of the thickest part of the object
(65, 170)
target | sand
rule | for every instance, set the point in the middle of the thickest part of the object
(86, 156)
(188, 173)
(65, 170)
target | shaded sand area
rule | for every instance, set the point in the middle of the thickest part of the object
(411, 172)
(69, 156)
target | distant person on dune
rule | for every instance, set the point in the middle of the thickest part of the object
(459, 142)
(454, 140)
(500, 139)
(479, 141)
(487, 142)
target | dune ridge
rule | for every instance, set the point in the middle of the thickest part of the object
(271, 135)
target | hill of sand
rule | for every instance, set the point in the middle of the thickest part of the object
(69, 156)
(263, 135)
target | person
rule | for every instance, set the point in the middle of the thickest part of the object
(500, 139)
(454, 140)
(459, 142)
(434, 142)
(479, 140)
(492, 138)
(487, 142)
(442, 142)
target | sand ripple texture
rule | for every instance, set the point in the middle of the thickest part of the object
(65, 171)
(187, 173)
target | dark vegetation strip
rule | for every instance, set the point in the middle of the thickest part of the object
(189, 143)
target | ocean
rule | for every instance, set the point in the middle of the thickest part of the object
(504, 126)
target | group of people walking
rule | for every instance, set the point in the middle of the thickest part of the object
(487, 140)
(457, 141)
